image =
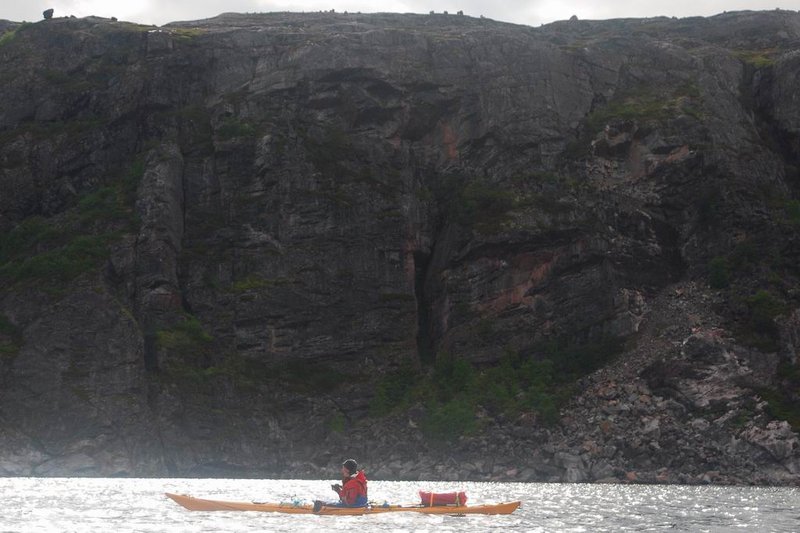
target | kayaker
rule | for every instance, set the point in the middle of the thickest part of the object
(353, 489)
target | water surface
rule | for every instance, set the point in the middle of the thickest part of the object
(139, 505)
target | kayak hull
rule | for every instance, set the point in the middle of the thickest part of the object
(200, 504)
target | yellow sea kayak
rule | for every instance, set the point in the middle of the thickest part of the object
(199, 504)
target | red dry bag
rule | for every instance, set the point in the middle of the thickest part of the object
(433, 499)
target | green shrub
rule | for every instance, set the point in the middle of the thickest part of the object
(257, 283)
(63, 264)
(187, 34)
(792, 212)
(192, 369)
(232, 128)
(454, 388)
(394, 389)
(718, 273)
(745, 256)
(783, 401)
(112, 204)
(782, 407)
(448, 421)
(472, 202)
(189, 349)
(499, 396)
(483, 204)
(186, 338)
(742, 418)
(453, 376)
(133, 27)
(545, 404)
(476, 204)
(757, 58)
(646, 105)
(109, 205)
(449, 393)
(760, 329)
(7, 37)
(524, 384)
(57, 250)
(28, 236)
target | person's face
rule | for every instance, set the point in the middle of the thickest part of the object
(345, 472)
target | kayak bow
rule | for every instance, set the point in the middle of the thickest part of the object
(200, 504)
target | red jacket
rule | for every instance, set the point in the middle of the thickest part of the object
(354, 490)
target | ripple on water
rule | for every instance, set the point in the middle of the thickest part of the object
(139, 505)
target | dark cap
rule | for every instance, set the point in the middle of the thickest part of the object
(351, 466)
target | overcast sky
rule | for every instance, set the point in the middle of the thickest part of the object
(531, 12)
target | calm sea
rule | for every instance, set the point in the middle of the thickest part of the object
(139, 505)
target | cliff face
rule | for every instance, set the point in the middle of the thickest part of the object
(217, 236)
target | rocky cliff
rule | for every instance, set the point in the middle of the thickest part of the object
(226, 242)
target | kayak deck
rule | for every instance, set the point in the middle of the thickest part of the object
(200, 504)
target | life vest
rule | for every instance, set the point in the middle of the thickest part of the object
(354, 490)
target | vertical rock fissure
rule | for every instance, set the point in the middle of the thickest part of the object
(758, 91)
(150, 352)
(425, 344)
(181, 281)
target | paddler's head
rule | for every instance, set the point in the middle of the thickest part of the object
(349, 468)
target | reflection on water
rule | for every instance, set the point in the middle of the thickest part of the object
(138, 505)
